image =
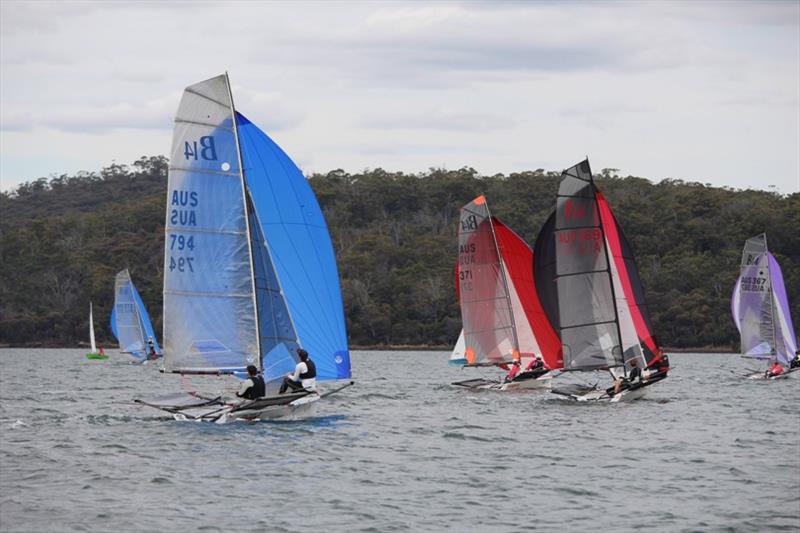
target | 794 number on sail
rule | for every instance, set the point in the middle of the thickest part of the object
(182, 264)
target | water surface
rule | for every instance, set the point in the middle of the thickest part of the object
(401, 450)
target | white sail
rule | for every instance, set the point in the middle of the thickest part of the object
(210, 318)
(91, 330)
(458, 357)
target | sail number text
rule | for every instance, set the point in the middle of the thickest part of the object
(182, 213)
(754, 284)
(204, 149)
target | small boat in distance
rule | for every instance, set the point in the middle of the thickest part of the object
(130, 322)
(94, 353)
(601, 312)
(250, 274)
(760, 310)
(504, 323)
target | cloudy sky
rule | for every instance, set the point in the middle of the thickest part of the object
(702, 91)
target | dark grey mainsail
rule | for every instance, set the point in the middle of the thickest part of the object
(588, 318)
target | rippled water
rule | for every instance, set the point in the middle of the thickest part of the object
(401, 450)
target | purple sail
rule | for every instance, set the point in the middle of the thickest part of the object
(759, 305)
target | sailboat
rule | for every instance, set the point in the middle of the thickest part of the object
(93, 354)
(130, 322)
(760, 309)
(249, 269)
(596, 298)
(503, 320)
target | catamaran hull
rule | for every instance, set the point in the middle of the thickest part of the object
(592, 394)
(787, 374)
(296, 410)
(540, 383)
(602, 396)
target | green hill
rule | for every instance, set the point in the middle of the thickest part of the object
(63, 239)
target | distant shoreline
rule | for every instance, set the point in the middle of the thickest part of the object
(368, 347)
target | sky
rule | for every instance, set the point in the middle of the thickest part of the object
(704, 91)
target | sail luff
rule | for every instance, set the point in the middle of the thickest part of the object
(245, 194)
(505, 280)
(609, 262)
(770, 298)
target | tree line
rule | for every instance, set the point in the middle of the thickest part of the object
(63, 239)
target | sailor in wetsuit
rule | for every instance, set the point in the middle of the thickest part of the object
(304, 376)
(633, 374)
(796, 361)
(253, 387)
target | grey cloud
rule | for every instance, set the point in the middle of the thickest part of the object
(440, 119)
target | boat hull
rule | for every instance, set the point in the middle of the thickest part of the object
(298, 409)
(539, 383)
(96, 356)
(793, 373)
(593, 394)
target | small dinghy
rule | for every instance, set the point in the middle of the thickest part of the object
(130, 322)
(595, 294)
(94, 353)
(504, 324)
(250, 274)
(760, 310)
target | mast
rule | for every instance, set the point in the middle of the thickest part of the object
(609, 259)
(503, 276)
(246, 219)
(773, 345)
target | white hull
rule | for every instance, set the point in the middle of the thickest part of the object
(601, 396)
(540, 383)
(794, 373)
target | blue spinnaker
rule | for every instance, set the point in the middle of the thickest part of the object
(300, 251)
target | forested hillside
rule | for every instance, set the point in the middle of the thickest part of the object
(63, 239)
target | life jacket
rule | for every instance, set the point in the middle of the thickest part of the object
(311, 370)
(776, 370)
(258, 389)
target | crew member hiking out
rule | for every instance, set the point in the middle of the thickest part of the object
(633, 374)
(253, 387)
(304, 376)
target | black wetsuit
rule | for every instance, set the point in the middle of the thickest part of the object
(257, 390)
